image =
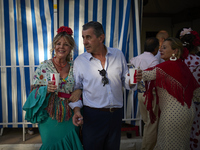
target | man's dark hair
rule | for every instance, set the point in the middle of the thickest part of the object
(150, 44)
(98, 28)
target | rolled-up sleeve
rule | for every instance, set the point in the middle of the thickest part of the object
(76, 104)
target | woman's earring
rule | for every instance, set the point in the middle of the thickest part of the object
(173, 57)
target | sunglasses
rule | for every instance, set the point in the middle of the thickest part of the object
(103, 74)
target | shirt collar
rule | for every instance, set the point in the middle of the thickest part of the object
(90, 57)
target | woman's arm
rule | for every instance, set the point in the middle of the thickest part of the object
(149, 75)
(196, 95)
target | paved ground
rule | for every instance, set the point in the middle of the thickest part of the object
(12, 139)
(15, 136)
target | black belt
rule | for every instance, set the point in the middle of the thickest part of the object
(104, 109)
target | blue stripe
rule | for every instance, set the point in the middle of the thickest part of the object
(86, 11)
(135, 46)
(126, 24)
(127, 49)
(95, 10)
(35, 37)
(44, 28)
(51, 9)
(135, 53)
(112, 22)
(58, 8)
(24, 33)
(66, 13)
(86, 15)
(16, 38)
(76, 26)
(121, 6)
(8, 60)
(104, 16)
(135, 97)
(140, 14)
(19, 97)
(25, 46)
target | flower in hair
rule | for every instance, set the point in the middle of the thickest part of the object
(65, 29)
(185, 43)
(185, 31)
(196, 41)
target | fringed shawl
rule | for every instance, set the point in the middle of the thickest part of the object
(176, 78)
(57, 108)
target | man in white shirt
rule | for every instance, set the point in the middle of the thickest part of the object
(101, 72)
(161, 36)
(144, 61)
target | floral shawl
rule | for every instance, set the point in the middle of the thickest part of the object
(58, 107)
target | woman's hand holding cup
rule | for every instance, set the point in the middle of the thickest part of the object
(51, 87)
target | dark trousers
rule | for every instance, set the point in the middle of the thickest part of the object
(101, 129)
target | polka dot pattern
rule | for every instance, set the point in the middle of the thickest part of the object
(195, 133)
(193, 62)
(175, 121)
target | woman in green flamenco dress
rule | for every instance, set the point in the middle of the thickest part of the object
(48, 103)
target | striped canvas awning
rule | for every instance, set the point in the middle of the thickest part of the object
(27, 28)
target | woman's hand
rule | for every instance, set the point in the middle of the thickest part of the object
(138, 78)
(51, 87)
(139, 75)
(75, 96)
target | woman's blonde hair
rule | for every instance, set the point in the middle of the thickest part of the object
(68, 38)
(176, 44)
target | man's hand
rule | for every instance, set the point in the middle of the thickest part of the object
(77, 118)
(75, 96)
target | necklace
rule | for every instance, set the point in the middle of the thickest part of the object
(59, 65)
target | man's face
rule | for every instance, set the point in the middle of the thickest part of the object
(90, 40)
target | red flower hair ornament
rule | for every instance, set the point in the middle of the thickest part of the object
(196, 41)
(65, 29)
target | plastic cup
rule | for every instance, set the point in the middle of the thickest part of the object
(133, 72)
(55, 77)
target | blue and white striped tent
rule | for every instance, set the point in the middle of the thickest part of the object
(27, 28)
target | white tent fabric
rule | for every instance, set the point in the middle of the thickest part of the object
(26, 31)
(120, 19)
(27, 28)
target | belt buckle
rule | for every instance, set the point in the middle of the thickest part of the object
(111, 110)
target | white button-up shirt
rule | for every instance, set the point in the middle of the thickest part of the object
(88, 79)
(144, 60)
